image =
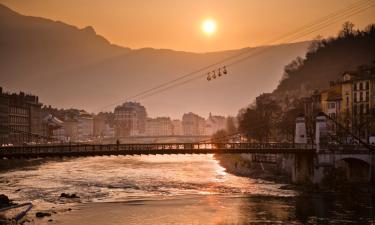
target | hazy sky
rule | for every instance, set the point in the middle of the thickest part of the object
(176, 24)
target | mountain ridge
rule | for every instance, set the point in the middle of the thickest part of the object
(72, 67)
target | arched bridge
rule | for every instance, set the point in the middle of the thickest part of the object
(76, 150)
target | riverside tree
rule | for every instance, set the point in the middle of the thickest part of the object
(258, 121)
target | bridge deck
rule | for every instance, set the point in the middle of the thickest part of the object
(36, 151)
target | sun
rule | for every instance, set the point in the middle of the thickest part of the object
(209, 26)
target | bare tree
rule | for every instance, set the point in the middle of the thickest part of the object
(347, 30)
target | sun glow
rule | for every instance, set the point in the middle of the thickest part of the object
(209, 26)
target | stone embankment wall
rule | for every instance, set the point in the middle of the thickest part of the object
(244, 165)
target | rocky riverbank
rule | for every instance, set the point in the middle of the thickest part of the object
(236, 165)
(36, 214)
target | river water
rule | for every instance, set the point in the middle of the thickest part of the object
(186, 189)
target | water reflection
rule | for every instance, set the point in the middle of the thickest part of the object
(174, 190)
(223, 210)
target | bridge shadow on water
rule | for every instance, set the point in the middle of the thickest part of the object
(336, 208)
(309, 209)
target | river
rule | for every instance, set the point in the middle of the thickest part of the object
(186, 189)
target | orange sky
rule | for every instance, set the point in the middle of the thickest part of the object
(176, 24)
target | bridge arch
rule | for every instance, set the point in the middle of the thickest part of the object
(357, 170)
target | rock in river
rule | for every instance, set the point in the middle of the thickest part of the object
(67, 195)
(42, 214)
(4, 201)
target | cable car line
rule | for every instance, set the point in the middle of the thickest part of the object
(302, 31)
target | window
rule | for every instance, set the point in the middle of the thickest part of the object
(355, 87)
(347, 101)
(331, 105)
(367, 96)
(355, 97)
(332, 115)
(367, 108)
(367, 85)
(360, 86)
(361, 96)
(361, 109)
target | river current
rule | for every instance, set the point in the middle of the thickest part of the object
(186, 189)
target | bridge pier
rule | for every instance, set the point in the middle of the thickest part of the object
(323, 163)
(321, 132)
(303, 164)
(373, 170)
(300, 136)
(303, 169)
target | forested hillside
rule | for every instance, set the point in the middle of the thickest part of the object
(272, 115)
(327, 59)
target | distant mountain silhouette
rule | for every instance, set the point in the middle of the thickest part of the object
(71, 67)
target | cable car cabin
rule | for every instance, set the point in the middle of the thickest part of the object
(225, 70)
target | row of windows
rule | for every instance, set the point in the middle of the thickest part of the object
(362, 96)
(19, 111)
(19, 120)
(361, 109)
(362, 86)
(19, 138)
(19, 128)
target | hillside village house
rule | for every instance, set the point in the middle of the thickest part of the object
(351, 102)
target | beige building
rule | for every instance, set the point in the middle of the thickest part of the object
(331, 101)
(347, 100)
(177, 127)
(130, 120)
(351, 102)
(85, 126)
(160, 126)
(99, 125)
(20, 117)
(71, 129)
(364, 104)
(193, 125)
(214, 124)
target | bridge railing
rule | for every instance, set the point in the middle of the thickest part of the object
(346, 147)
(87, 148)
(172, 148)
